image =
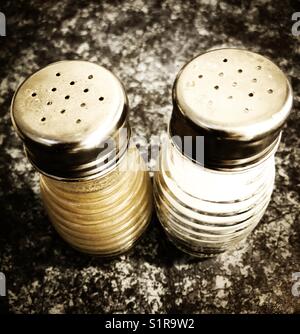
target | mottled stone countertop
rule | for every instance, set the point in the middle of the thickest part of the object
(145, 43)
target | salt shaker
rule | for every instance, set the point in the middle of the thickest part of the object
(72, 118)
(211, 193)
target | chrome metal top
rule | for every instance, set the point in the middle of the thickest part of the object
(65, 112)
(238, 100)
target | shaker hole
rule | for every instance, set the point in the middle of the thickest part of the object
(270, 91)
(221, 74)
(90, 76)
(58, 74)
(240, 70)
(49, 103)
(86, 90)
(43, 119)
(254, 80)
(234, 84)
(63, 111)
(200, 76)
(72, 83)
(225, 60)
(53, 89)
(67, 97)
(101, 98)
(216, 87)
(251, 94)
(259, 67)
(33, 94)
(78, 121)
(246, 110)
(82, 105)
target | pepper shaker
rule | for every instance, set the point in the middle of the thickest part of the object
(72, 118)
(211, 193)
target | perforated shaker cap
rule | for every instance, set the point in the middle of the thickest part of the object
(238, 100)
(67, 114)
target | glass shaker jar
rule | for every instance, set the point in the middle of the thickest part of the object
(72, 118)
(216, 171)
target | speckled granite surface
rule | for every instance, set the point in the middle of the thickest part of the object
(144, 43)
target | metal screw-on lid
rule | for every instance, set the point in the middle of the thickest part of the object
(64, 114)
(238, 100)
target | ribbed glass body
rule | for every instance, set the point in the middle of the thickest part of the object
(205, 212)
(103, 216)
